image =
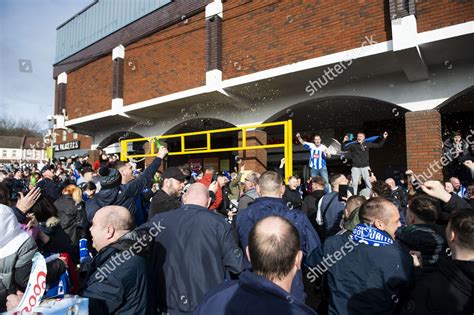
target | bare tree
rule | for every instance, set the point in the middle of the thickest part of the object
(20, 127)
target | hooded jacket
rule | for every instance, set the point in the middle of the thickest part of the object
(267, 206)
(123, 195)
(429, 239)
(448, 290)
(247, 199)
(17, 249)
(251, 295)
(115, 281)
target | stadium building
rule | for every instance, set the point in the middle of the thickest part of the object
(131, 69)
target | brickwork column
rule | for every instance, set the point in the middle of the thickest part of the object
(255, 160)
(424, 150)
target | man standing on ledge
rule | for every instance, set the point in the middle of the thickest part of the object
(317, 158)
(359, 151)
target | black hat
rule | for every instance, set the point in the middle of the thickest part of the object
(47, 167)
(109, 178)
(174, 172)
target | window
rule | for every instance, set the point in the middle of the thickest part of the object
(13, 153)
(74, 135)
(4, 153)
(64, 135)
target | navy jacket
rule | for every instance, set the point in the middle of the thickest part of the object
(194, 251)
(52, 189)
(115, 284)
(333, 216)
(366, 279)
(266, 206)
(251, 295)
(123, 195)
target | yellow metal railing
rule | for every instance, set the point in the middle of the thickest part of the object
(287, 144)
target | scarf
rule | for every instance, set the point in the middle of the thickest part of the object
(366, 234)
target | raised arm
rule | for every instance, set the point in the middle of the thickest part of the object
(299, 138)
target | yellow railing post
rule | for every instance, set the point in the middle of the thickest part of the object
(124, 150)
(289, 163)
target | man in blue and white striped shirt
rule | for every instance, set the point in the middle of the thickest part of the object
(317, 158)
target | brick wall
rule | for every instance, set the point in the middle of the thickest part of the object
(170, 61)
(260, 35)
(431, 15)
(423, 138)
(89, 89)
(86, 141)
(255, 160)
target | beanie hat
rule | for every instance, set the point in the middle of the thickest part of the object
(109, 178)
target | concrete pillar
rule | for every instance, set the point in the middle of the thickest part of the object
(255, 160)
(424, 144)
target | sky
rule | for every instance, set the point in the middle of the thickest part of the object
(28, 33)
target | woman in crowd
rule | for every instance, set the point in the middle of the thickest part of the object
(71, 212)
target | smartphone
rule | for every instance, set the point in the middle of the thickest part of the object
(214, 177)
(351, 136)
(342, 192)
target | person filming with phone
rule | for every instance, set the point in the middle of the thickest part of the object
(359, 152)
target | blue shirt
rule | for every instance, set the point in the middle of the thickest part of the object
(317, 156)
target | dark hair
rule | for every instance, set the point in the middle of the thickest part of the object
(373, 209)
(382, 189)
(361, 133)
(462, 223)
(316, 135)
(86, 169)
(318, 180)
(272, 255)
(333, 179)
(425, 208)
(90, 186)
(44, 209)
(4, 194)
(457, 133)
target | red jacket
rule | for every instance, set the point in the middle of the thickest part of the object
(206, 180)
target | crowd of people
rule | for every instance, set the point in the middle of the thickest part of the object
(187, 240)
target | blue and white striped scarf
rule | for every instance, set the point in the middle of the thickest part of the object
(366, 234)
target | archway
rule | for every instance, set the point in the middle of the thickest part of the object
(333, 117)
(111, 144)
(457, 114)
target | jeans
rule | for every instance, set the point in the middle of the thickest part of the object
(323, 172)
(356, 173)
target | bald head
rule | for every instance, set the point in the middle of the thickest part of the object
(109, 224)
(197, 194)
(390, 182)
(273, 247)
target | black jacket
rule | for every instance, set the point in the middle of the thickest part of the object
(310, 203)
(360, 152)
(71, 217)
(429, 239)
(448, 290)
(194, 251)
(162, 202)
(292, 198)
(123, 195)
(113, 283)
